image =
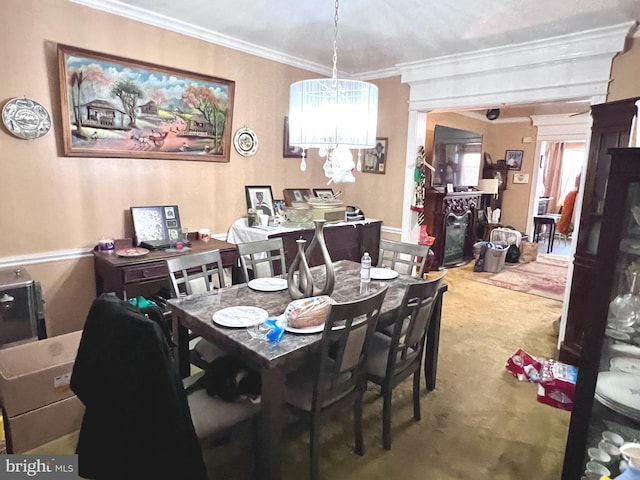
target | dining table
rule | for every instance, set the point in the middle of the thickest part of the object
(274, 360)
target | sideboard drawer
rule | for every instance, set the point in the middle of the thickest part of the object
(145, 272)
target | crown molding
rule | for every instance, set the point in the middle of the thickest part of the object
(575, 66)
(554, 49)
(116, 7)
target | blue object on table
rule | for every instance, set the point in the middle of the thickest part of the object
(275, 331)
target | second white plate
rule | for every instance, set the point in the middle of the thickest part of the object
(383, 273)
(268, 284)
(240, 317)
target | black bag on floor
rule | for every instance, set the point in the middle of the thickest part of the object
(513, 254)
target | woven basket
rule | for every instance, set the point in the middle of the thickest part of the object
(308, 312)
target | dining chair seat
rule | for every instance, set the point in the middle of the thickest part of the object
(378, 355)
(212, 416)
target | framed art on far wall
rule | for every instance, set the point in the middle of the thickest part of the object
(259, 197)
(323, 193)
(296, 195)
(287, 150)
(514, 159)
(375, 159)
(118, 107)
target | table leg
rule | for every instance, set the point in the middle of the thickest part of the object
(432, 342)
(271, 419)
(181, 338)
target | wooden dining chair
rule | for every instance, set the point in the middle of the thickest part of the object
(393, 358)
(407, 258)
(335, 378)
(192, 274)
(263, 258)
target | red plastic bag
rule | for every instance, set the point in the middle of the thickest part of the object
(523, 366)
(557, 384)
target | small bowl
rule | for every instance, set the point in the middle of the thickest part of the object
(598, 455)
(595, 467)
(613, 438)
(298, 214)
(610, 448)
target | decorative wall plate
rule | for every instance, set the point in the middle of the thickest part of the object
(26, 118)
(245, 141)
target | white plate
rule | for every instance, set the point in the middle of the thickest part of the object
(617, 335)
(314, 329)
(625, 350)
(268, 284)
(620, 389)
(246, 142)
(132, 252)
(626, 365)
(240, 317)
(383, 273)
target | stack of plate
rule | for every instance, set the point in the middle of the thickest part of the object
(620, 392)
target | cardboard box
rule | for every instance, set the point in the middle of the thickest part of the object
(43, 425)
(36, 374)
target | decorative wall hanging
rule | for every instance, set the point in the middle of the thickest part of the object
(288, 150)
(117, 107)
(26, 118)
(375, 159)
(245, 141)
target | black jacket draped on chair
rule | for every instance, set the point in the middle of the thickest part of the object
(137, 422)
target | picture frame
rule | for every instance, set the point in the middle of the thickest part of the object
(118, 107)
(278, 207)
(289, 151)
(323, 193)
(513, 159)
(260, 197)
(375, 159)
(296, 195)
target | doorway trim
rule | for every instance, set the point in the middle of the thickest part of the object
(568, 67)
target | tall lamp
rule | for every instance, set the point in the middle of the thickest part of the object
(489, 189)
(334, 116)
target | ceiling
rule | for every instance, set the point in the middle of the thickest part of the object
(375, 37)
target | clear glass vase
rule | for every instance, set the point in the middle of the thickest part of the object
(624, 309)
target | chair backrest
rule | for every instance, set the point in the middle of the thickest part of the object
(403, 257)
(411, 324)
(265, 258)
(347, 331)
(196, 273)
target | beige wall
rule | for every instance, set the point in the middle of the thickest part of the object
(55, 203)
(625, 72)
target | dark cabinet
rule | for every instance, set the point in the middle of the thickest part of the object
(608, 384)
(611, 128)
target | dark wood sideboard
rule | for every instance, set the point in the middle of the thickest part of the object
(344, 242)
(145, 275)
(451, 218)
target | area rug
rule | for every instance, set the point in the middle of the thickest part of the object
(546, 277)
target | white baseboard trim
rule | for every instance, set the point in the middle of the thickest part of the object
(392, 230)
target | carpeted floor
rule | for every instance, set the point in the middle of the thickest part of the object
(545, 277)
(479, 423)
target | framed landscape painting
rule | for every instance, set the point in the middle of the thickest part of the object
(117, 107)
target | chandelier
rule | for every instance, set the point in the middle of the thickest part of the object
(333, 115)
